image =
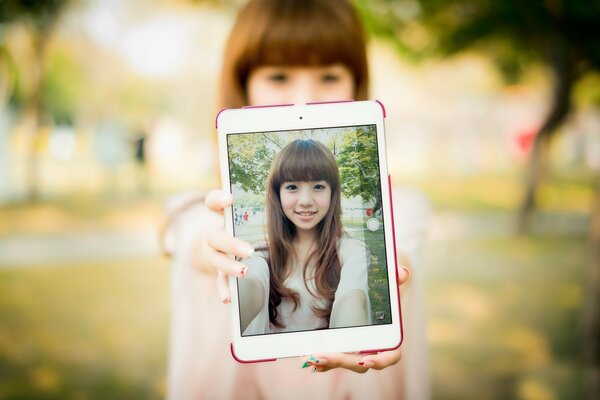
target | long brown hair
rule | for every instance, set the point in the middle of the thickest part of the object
(303, 160)
(292, 32)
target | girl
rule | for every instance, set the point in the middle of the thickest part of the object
(308, 276)
(281, 52)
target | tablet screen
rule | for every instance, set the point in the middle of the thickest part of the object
(292, 184)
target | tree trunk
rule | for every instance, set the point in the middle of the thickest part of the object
(34, 110)
(591, 303)
(562, 64)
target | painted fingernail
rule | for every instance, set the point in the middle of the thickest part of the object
(361, 363)
(243, 271)
(314, 369)
(304, 365)
(368, 364)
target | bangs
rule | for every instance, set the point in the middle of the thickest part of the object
(307, 33)
(306, 160)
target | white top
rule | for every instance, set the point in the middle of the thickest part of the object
(354, 273)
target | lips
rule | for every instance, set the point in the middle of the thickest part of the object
(305, 213)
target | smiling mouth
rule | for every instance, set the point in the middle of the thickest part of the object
(305, 213)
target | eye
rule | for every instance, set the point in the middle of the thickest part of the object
(319, 187)
(330, 78)
(291, 187)
(278, 77)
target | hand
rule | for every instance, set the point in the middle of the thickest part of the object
(357, 362)
(216, 247)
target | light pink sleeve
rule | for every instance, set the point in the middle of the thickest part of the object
(200, 361)
(412, 215)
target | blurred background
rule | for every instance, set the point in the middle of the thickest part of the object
(107, 110)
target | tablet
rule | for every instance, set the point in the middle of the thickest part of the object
(312, 196)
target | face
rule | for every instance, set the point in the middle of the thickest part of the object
(305, 203)
(299, 84)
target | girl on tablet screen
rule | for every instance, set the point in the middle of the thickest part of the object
(307, 276)
(282, 52)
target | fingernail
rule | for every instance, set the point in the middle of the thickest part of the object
(243, 271)
(368, 364)
(304, 365)
(248, 251)
(314, 369)
(361, 363)
(226, 300)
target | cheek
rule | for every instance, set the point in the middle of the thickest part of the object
(263, 92)
(324, 202)
(346, 89)
(287, 201)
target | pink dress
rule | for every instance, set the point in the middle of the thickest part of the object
(200, 363)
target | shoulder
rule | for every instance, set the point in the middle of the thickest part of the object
(186, 212)
(258, 267)
(184, 201)
(257, 259)
(347, 243)
(350, 248)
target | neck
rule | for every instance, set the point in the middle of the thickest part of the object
(303, 243)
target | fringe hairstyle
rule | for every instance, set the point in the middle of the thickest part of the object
(292, 32)
(303, 160)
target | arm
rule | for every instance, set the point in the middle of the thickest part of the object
(351, 310)
(251, 292)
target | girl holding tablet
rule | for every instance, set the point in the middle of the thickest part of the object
(307, 276)
(281, 52)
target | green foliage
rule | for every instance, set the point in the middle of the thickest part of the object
(40, 13)
(62, 87)
(250, 160)
(359, 170)
(512, 33)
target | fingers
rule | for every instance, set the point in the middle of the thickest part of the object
(351, 361)
(225, 264)
(403, 275)
(381, 360)
(223, 288)
(216, 200)
(326, 362)
(224, 242)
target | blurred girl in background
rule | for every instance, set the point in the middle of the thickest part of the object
(283, 52)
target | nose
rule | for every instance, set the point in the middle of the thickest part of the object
(305, 90)
(305, 199)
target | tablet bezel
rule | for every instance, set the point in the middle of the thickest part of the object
(313, 116)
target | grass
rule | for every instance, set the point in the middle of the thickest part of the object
(377, 275)
(503, 312)
(570, 191)
(505, 318)
(84, 331)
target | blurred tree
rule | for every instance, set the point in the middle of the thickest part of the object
(358, 166)
(251, 157)
(39, 17)
(562, 35)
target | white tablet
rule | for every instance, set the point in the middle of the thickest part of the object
(312, 196)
